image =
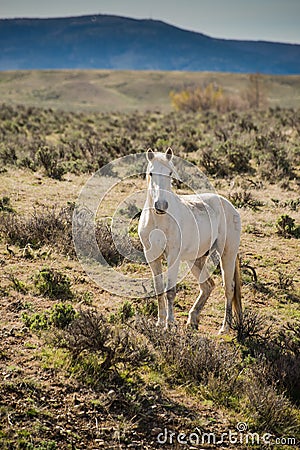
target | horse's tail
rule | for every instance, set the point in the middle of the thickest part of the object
(237, 296)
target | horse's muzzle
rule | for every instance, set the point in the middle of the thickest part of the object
(161, 207)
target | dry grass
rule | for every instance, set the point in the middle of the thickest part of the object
(101, 90)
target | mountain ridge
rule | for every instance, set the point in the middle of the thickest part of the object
(124, 43)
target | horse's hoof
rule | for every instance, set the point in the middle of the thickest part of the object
(192, 323)
(192, 326)
(223, 330)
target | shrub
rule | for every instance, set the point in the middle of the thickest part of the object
(18, 285)
(285, 281)
(237, 157)
(125, 312)
(268, 409)
(227, 159)
(106, 240)
(211, 162)
(148, 307)
(8, 155)
(274, 162)
(209, 97)
(101, 348)
(285, 226)
(198, 99)
(287, 365)
(189, 355)
(53, 284)
(276, 353)
(49, 159)
(42, 226)
(106, 244)
(5, 204)
(256, 376)
(244, 199)
(60, 316)
(249, 328)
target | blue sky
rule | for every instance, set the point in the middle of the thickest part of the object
(272, 20)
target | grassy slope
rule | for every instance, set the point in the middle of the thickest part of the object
(102, 90)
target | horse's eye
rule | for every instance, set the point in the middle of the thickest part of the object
(150, 173)
(171, 173)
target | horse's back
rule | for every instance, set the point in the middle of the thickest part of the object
(222, 210)
(218, 203)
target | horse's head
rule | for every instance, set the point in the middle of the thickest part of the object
(159, 172)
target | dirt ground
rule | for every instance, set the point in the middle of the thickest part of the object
(46, 406)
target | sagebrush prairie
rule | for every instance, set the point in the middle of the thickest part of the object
(84, 369)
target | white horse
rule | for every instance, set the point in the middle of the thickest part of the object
(188, 228)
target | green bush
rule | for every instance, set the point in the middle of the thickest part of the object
(286, 227)
(5, 204)
(53, 284)
(244, 199)
(60, 316)
(38, 321)
(125, 312)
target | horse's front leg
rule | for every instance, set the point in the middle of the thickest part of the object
(156, 269)
(173, 267)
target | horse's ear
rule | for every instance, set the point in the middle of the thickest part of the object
(169, 154)
(150, 154)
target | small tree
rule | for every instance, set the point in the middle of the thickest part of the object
(210, 97)
(255, 93)
(198, 99)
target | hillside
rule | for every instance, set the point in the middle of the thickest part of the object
(112, 42)
(105, 90)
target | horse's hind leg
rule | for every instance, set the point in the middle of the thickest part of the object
(206, 283)
(228, 271)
